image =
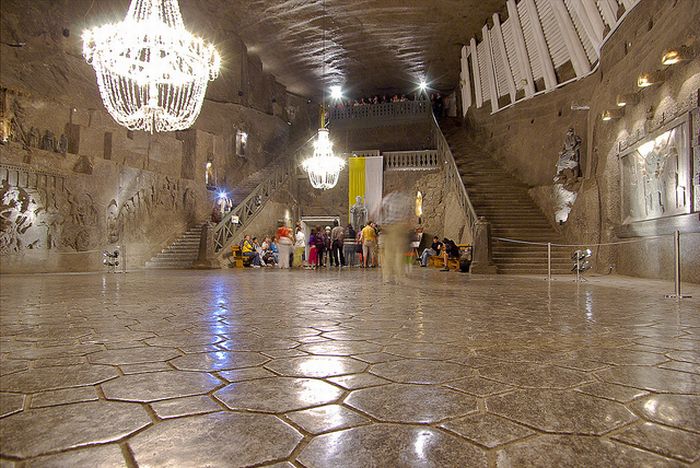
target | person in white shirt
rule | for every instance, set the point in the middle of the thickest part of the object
(299, 246)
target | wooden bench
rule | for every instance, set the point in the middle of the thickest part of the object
(237, 259)
(452, 263)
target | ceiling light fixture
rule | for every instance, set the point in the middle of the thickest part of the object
(423, 85)
(323, 168)
(336, 92)
(151, 72)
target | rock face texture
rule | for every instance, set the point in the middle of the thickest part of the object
(73, 182)
(527, 139)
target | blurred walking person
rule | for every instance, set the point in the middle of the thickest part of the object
(284, 244)
(397, 217)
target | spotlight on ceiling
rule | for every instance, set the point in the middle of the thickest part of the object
(677, 55)
(423, 85)
(611, 114)
(222, 195)
(647, 79)
(627, 99)
(336, 92)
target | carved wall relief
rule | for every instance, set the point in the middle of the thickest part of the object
(656, 176)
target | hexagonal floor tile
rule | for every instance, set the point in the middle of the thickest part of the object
(159, 386)
(39, 431)
(316, 366)
(390, 445)
(49, 378)
(106, 456)
(487, 429)
(663, 440)
(653, 379)
(553, 411)
(425, 351)
(555, 450)
(682, 411)
(222, 360)
(133, 355)
(217, 439)
(326, 418)
(411, 403)
(340, 348)
(10, 403)
(420, 371)
(525, 374)
(278, 394)
(257, 343)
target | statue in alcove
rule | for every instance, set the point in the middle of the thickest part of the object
(568, 165)
(358, 213)
(48, 141)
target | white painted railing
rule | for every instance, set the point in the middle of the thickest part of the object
(411, 160)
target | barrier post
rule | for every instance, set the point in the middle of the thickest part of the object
(677, 269)
(549, 261)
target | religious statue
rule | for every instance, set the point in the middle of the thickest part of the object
(48, 141)
(62, 146)
(358, 213)
(568, 166)
(33, 139)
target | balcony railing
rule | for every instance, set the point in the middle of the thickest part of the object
(405, 109)
(411, 160)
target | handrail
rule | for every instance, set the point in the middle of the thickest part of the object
(226, 229)
(452, 176)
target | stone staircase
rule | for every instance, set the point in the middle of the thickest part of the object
(181, 253)
(505, 202)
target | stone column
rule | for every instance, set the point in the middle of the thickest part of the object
(482, 261)
(206, 259)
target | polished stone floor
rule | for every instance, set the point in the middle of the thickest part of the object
(336, 369)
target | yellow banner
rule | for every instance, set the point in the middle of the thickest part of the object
(356, 178)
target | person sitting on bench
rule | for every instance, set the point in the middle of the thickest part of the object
(431, 251)
(449, 250)
(248, 250)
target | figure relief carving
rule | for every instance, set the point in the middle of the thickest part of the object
(358, 213)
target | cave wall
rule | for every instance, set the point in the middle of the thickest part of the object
(528, 136)
(75, 182)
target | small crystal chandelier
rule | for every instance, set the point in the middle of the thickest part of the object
(152, 73)
(323, 167)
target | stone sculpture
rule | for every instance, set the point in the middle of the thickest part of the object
(358, 213)
(48, 141)
(62, 146)
(568, 165)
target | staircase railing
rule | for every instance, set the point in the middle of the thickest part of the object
(382, 111)
(238, 217)
(453, 179)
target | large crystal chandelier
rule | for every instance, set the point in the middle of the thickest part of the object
(151, 72)
(323, 167)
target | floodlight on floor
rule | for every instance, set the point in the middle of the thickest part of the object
(647, 79)
(677, 54)
(611, 114)
(627, 99)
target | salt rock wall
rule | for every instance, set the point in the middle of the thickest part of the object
(528, 137)
(73, 182)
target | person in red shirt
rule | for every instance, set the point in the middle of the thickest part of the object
(285, 240)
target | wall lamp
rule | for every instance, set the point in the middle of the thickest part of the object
(677, 55)
(611, 114)
(647, 79)
(627, 99)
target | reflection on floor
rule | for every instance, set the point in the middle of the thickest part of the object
(317, 368)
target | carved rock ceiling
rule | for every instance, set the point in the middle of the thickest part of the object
(373, 46)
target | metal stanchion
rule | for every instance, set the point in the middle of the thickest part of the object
(549, 261)
(677, 269)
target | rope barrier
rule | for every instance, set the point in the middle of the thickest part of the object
(632, 241)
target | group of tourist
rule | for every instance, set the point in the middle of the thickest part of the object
(339, 247)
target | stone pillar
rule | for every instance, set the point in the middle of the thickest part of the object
(206, 259)
(482, 260)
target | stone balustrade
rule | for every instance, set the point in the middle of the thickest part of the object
(390, 110)
(411, 160)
